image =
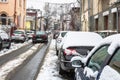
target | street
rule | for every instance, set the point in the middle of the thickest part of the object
(59, 39)
(41, 65)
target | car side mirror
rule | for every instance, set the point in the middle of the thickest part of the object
(76, 62)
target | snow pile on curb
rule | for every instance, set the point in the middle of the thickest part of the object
(13, 47)
(49, 69)
(52, 45)
(9, 67)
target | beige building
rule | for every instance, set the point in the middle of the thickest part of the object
(100, 15)
(13, 12)
(84, 15)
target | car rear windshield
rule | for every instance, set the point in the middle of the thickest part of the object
(18, 32)
(63, 34)
(40, 32)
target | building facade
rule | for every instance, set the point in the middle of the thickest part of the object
(99, 15)
(13, 13)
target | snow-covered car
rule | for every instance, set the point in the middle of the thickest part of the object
(75, 43)
(19, 35)
(102, 63)
(59, 39)
(5, 41)
(30, 34)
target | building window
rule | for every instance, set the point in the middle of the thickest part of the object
(114, 21)
(96, 24)
(3, 19)
(105, 22)
(4, 1)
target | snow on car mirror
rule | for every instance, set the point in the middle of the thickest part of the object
(76, 62)
(94, 75)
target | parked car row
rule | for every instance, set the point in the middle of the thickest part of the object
(35, 36)
(102, 63)
(90, 56)
(22, 36)
(72, 43)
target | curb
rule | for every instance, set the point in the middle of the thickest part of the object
(40, 65)
(10, 72)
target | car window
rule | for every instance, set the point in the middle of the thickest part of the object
(63, 34)
(18, 32)
(115, 62)
(40, 32)
(98, 58)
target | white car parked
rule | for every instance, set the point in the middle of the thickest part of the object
(19, 35)
(75, 43)
(102, 63)
(60, 35)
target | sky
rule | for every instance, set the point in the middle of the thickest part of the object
(39, 4)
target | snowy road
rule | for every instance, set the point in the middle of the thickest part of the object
(29, 71)
(49, 70)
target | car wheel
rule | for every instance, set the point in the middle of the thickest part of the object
(0, 46)
(57, 52)
(33, 42)
(8, 47)
(61, 71)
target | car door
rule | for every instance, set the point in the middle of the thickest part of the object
(112, 70)
(95, 62)
(4, 37)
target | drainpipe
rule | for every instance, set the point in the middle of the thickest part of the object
(13, 23)
(117, 22)
(14, 11)
(89, 9)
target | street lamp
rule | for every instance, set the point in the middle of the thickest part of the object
(12, 24)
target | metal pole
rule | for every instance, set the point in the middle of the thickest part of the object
(35, 21)
(117, 22)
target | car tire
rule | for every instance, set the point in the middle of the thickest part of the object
(33, 42)
(8, 47)
(61, 71)
(0, 46)
(57, 52)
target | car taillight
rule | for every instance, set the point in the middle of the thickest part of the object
(23, 35)
(69, 51)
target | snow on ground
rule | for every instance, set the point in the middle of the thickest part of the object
(13, 64)
(49, 69)
(14, 46)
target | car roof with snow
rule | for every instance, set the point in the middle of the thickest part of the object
(114, 40)
(81, 39)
